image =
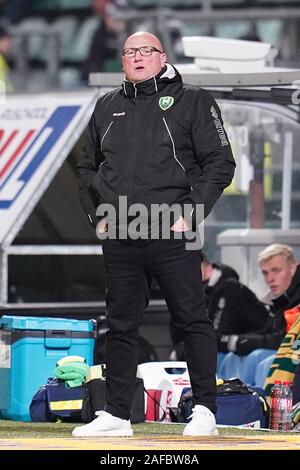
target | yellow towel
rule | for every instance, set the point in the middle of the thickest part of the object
(67, 359)
(96, 372)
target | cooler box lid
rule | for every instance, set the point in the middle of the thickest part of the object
(44, 323)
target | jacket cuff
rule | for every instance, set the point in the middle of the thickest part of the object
(228, 343)
(190, 214)
(93, 219)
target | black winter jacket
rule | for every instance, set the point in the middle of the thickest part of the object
(275, 328)
(155, 142)
(233, 307)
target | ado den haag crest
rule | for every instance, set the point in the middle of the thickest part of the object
(166, 102)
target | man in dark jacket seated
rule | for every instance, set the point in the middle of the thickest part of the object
(233, 308)
(282, 274)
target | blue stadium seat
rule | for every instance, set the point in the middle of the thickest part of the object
(225, 29)
(262, 371)
(232, 366)
(251, 363)
(35, 28)
(271, 31)
(82, 42)
(220, 358)
(69, 77)
(243, 367)
(67, 27)
(189, 28)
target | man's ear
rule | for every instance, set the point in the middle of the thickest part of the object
(163, 59)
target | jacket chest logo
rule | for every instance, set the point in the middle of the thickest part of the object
(165, 102)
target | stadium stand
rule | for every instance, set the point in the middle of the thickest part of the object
(46, 35)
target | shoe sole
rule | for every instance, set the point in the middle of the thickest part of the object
(124, 433)
(215, 432)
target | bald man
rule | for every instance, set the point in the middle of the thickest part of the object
(155, 160)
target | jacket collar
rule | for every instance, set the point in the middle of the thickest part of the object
(154, 84)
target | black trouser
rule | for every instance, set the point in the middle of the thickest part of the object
(178, 274)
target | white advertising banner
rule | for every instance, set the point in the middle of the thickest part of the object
(37, 132)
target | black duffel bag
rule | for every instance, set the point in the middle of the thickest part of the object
(94, 400)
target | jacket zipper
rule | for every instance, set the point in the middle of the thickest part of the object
(131, 159)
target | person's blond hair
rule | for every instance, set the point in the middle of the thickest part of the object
(275, 250)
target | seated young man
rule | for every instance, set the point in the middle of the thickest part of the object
(282, 275)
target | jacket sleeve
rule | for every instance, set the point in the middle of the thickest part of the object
(237, 310)
(87, 166)
(247, 343)
(268, 337)
(213, 152)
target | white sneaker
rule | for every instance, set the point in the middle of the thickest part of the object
(105, 425)
(203, 423)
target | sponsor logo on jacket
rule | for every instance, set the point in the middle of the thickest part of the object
(219, 126)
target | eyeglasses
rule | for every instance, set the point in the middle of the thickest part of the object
(145, 51)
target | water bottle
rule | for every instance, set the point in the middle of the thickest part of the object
(275, 412)
(286, 407)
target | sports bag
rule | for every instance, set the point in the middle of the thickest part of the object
(55, 401)
(237, 405)
(94, 400)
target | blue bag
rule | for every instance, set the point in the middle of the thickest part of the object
(242, 410)
(55, 401)
(237, 405)
(39, 408)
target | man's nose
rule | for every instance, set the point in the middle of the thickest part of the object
(138, 55)
(269, 278)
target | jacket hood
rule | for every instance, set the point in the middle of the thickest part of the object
(221, 273)
(291, 297)
(154, 84)
(227, 271)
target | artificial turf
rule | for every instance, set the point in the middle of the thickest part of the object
(16, 429)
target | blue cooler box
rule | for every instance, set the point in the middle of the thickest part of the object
(29, 350)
